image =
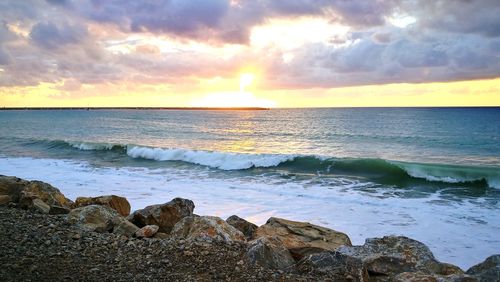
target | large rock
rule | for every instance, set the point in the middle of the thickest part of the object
(209, 228)
(95, 218)
(5, 199)
(269, 252)
(336, 265)
(45, 192)
(247, 228)
(388, 256)
(303, 238)
(12, 187)
(120, 204)
(125, 228)
(488, 270)
(164, 215)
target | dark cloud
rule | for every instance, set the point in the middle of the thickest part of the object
(74, 40)
(51, 36)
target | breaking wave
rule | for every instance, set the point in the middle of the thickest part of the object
(376, 170)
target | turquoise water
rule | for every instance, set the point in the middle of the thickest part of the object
(393, 146)
(432, 174)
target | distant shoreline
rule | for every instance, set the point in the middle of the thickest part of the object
(138, 108)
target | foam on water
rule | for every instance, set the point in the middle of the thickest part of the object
(458, 232)
(219, 160)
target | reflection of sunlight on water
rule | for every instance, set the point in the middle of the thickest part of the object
(232, 99)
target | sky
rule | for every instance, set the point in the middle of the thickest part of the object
(218, 53)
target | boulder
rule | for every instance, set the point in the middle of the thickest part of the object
(336, 265)
(4, 200)
(125, 228)
(95, 218)
(247, 228)
(59, 210)
(12, 187)
(120, 204)
(391, 255)
(147, 231)
(303, 238)
(269, 252)
(45, 192)
(488, 270)
(165, 216)
(208, 228)
(40, 206)
(161, 235)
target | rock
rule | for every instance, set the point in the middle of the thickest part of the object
(391, 255)
(59, 210)
(247, 228)
(164, 215)
(40, 206)
(45, 192)
(12, 187)
(120, 204)
(269, 252)
(4, 200)
(303, 238)
(488, 270)
(210, 228)
(125, 228)
(147, 231)
(95, 218)
(337, 265)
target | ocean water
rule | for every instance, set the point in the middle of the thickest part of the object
(432, 174)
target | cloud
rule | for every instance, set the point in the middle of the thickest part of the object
(51, 36)
(73, 43)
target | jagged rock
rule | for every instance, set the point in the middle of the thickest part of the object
(45, 192)
(303, 238)
(95, 218)
(59, 210)
(12, 187)
(147, 231)
(126, 228)
(120, 204)
(164, 215)
(424, 277)
(210, 228)
(4, 199)
(488, 270)
(247, 228)
(269, 252)
(388, 256)
(40, 205)
(337, 265)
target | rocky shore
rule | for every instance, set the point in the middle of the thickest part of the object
(46, 237)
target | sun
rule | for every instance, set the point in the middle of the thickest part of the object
(245, 80)
(242, 98)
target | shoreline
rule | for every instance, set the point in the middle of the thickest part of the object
(270, 250)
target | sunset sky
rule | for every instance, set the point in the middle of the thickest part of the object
(282, 53)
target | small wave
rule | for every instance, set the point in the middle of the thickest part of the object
(219, 160)
(375, 170)
(88, 146)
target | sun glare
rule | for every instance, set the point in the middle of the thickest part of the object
(242, 98)
(245, 80)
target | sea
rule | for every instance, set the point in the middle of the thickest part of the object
(432, 174)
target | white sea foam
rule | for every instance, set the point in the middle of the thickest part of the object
(463, 233)
(220, 160)
(88, 146)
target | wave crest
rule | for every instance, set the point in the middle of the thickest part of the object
(219, 160)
